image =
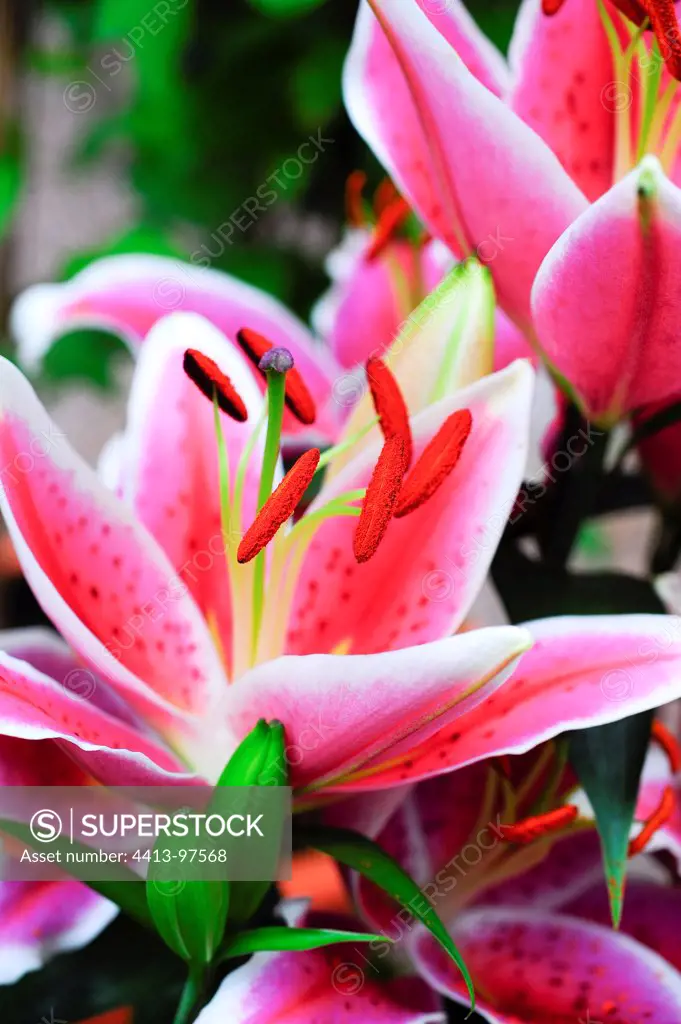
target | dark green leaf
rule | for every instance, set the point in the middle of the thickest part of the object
(608, 760)
(361, 854)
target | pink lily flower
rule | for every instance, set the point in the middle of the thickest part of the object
(127, 295)
(542, 169)
(532, 920)
(325, 985)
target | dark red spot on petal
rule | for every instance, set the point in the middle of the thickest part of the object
(279, 507)
(380, 499)
(210, 380)
(298, 398)
(436, 462)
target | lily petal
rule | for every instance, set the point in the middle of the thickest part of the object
(98, 574)
(437, 558)
(533, 966)
(581, 671)
(342, 711)
(333, 985)
(171, 476)
(479, 177)
(128, 294)
(609, 325)
(562, 70)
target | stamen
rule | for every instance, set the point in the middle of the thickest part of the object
(669, 744)
(436, 462)
(663, 20)
(655, 821)
(211, 381)
(298, 398)
(279, 507)
(384, 196)
(354, 204)
(380, 499)
(389, 404)
(390, 221)
(551, 6)
(540, 825)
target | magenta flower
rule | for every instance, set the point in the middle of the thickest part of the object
(506, 162)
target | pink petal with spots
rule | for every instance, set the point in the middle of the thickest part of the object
(480, 178)
(34, 707)
(609, 326)
(436, 558)
(539, 968)
(328, 986)
(453, 21)
(171, 476)
(342, 711)
(581, 671)
(651, 915)
(128, 294)
(563, 88)
(98, 574)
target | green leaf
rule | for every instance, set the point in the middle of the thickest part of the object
(608, 760)
(285, 8)
(363, 855)
(10, 177)
(274, 938)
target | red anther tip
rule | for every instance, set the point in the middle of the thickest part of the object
(354, 207)
(384, 196)
(669, 744)
(389, 403)
(298, 398)
(210, 380)
(436, 462)
(389, 222)
(655, 821)
(279, 507)
(665, 25)
(380, 498)
(552, 6)
(540, 825)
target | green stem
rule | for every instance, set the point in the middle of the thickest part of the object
(276, 387)
(188, 1008)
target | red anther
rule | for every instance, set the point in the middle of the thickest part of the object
(390, 221)
(298, 398)
(380, 498)
(669, 744)
(354, 206)
(665, 25)
(654, 821)
(436, 462)
(551, 6)
(279, 507)
(384, 196)
(389, 403)
(540, 825)
(210, 380)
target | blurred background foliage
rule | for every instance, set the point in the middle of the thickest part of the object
(203, 100)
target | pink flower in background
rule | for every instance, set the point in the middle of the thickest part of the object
(513, 158)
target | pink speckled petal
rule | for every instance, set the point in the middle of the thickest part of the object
(35, 707)
(609, 326)
(98, 574)
(328, 986)
(581, 671)
(170, 470)
(480, 178)
(563, 81)
(651, 915)
(127, 294)
(342, 711)
(436, 558)
(539, 968)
